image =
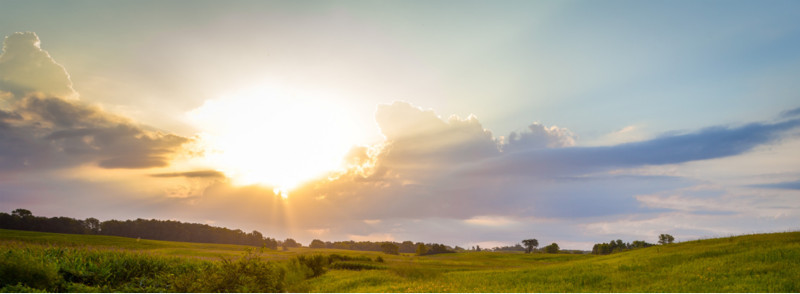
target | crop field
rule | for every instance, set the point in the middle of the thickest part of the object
(35, 262)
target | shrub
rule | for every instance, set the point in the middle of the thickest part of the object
(355, 266)
(20, 270)
(314, 262)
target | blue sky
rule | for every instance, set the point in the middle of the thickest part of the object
(629, 118)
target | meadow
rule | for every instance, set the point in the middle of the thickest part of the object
(47, 262)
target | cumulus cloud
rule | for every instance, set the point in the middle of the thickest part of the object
(420, 137)
(539, 136)
(42, 127)
(25, 68)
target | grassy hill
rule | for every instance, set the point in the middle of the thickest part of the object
(750, 263)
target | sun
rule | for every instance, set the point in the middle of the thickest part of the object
(264, 135)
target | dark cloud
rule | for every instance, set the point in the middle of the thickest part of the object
(709, 143)
(783, 185)
(52, 132)
(25, 68)
(791, 113)
(191, 174)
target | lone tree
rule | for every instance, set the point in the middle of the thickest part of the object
(530, 245)
(552, 248)
(664, 239)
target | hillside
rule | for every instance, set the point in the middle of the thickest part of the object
(749, 263)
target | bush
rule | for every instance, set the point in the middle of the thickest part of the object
(314, 262)
(355, 266)
(21, 270)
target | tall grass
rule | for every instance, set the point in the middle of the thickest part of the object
(752, 263)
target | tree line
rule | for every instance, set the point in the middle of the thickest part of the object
(418, 248)
(619, 246)
(23, 219)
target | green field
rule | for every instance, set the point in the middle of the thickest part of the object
(33, 261)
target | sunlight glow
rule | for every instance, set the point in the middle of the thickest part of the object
(267, 136)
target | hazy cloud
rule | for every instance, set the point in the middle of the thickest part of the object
(191, 174)
(790, 113)
(52, 132)
(25, 68)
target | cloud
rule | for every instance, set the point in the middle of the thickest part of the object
(708, 143)
(421, 136)
(794, 185)
(191, 174)
(43, 126)
(492, 221)
(54, 133)
(791, 113)
(539, 136)
(25, 68)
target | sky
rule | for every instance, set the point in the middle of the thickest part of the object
(457, 122)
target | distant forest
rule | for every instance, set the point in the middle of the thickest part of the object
(23, 219)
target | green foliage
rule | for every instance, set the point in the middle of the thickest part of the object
(552, 248)
(390, 248)
(530, 245)
(664, 239)
(316, 243)
(21, 269)
(752, 263)
(618, 246)
(355, 266)
(23, 219)
(316, 263)
(289, 242)
(421, 249)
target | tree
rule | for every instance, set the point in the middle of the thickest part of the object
(552, 248)
(390, 248)
(93, 225)
(664, 239)
(421, 249)
(21, 212)
(316, 243)
(289, 242)
(530, 245)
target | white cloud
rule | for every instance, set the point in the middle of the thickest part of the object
(25, 68)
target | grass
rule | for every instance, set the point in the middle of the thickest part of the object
(32, 261)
